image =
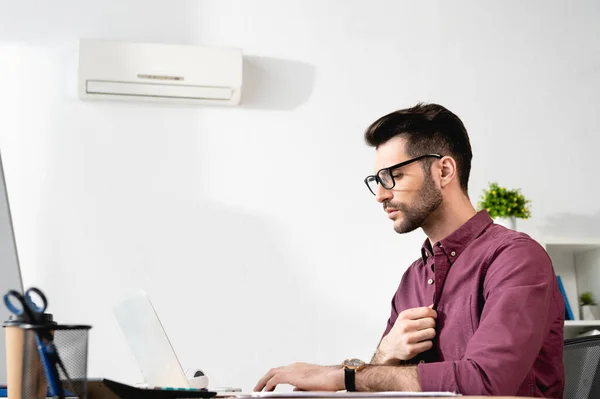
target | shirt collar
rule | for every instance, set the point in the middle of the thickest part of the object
(426, 250)
(458, 240)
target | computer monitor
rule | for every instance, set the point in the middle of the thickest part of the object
(10, 271)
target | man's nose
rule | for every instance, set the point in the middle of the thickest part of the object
(382, 194)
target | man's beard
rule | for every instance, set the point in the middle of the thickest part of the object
(428, 200)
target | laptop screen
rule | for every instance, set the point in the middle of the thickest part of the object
(149, 342)
(10, 272)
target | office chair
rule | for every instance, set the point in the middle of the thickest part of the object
(582, 371)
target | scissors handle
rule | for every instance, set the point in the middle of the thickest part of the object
(25, 305)
(15, 302)
(41, 308)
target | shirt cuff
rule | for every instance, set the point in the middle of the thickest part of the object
(437, 377)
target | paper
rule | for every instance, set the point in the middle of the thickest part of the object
(326, 395)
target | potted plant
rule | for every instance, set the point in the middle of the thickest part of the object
(589, 309)
(504, 205)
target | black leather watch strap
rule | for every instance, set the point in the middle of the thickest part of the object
(349, 379)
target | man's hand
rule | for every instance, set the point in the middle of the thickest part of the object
(412, 334)
(304, 377)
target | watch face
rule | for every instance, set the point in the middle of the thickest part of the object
(353, 363)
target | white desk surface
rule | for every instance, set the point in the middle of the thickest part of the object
(353, 395)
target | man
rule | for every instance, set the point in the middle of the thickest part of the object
(480, 311)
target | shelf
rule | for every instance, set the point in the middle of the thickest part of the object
(576, 327)
(576, 259)
(582, 323)
(572, 244)
(577, 262)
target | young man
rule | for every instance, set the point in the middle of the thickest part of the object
(480, 311)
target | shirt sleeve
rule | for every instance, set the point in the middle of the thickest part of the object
(520, 298)
(393, 315)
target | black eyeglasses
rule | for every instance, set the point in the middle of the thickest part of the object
(385, 176)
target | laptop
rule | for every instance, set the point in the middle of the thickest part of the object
(149, 343)
(10, 270)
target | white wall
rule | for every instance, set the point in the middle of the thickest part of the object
(250, 227)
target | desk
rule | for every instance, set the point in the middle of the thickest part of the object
(98, 390)
(432, 397)
(289, 396)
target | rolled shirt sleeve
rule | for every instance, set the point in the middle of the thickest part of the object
(520, 301)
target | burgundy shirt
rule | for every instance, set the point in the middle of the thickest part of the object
(500, 313)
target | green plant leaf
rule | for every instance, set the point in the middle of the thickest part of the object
(499, 201)
(586, 298)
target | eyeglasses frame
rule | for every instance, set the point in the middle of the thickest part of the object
(391, 168)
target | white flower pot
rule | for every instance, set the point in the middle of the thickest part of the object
(508, 222)
(590, 312)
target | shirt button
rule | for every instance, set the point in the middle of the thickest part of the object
(430, 281)
(421, 361)
(452, 253)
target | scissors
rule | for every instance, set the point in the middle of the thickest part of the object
(24, 305)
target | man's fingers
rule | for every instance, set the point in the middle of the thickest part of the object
(417, 313)
(421, 347)
(424, 323)
(260, 385)
(419, 336)
(408, 326)
(272, 383)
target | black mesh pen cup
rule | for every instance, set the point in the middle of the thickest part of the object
(71, 344)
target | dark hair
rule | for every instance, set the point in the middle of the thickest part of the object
(428, 128)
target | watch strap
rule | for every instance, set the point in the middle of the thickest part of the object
(349, 379)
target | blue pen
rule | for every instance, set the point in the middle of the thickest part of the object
(48, 355)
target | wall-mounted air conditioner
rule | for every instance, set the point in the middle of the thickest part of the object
(159, 72)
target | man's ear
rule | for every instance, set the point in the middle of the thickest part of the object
(448, 171)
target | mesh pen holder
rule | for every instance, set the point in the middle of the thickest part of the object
(71, 342)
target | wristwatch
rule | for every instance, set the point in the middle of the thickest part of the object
(351, 366)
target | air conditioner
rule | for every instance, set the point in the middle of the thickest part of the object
(159, 72)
